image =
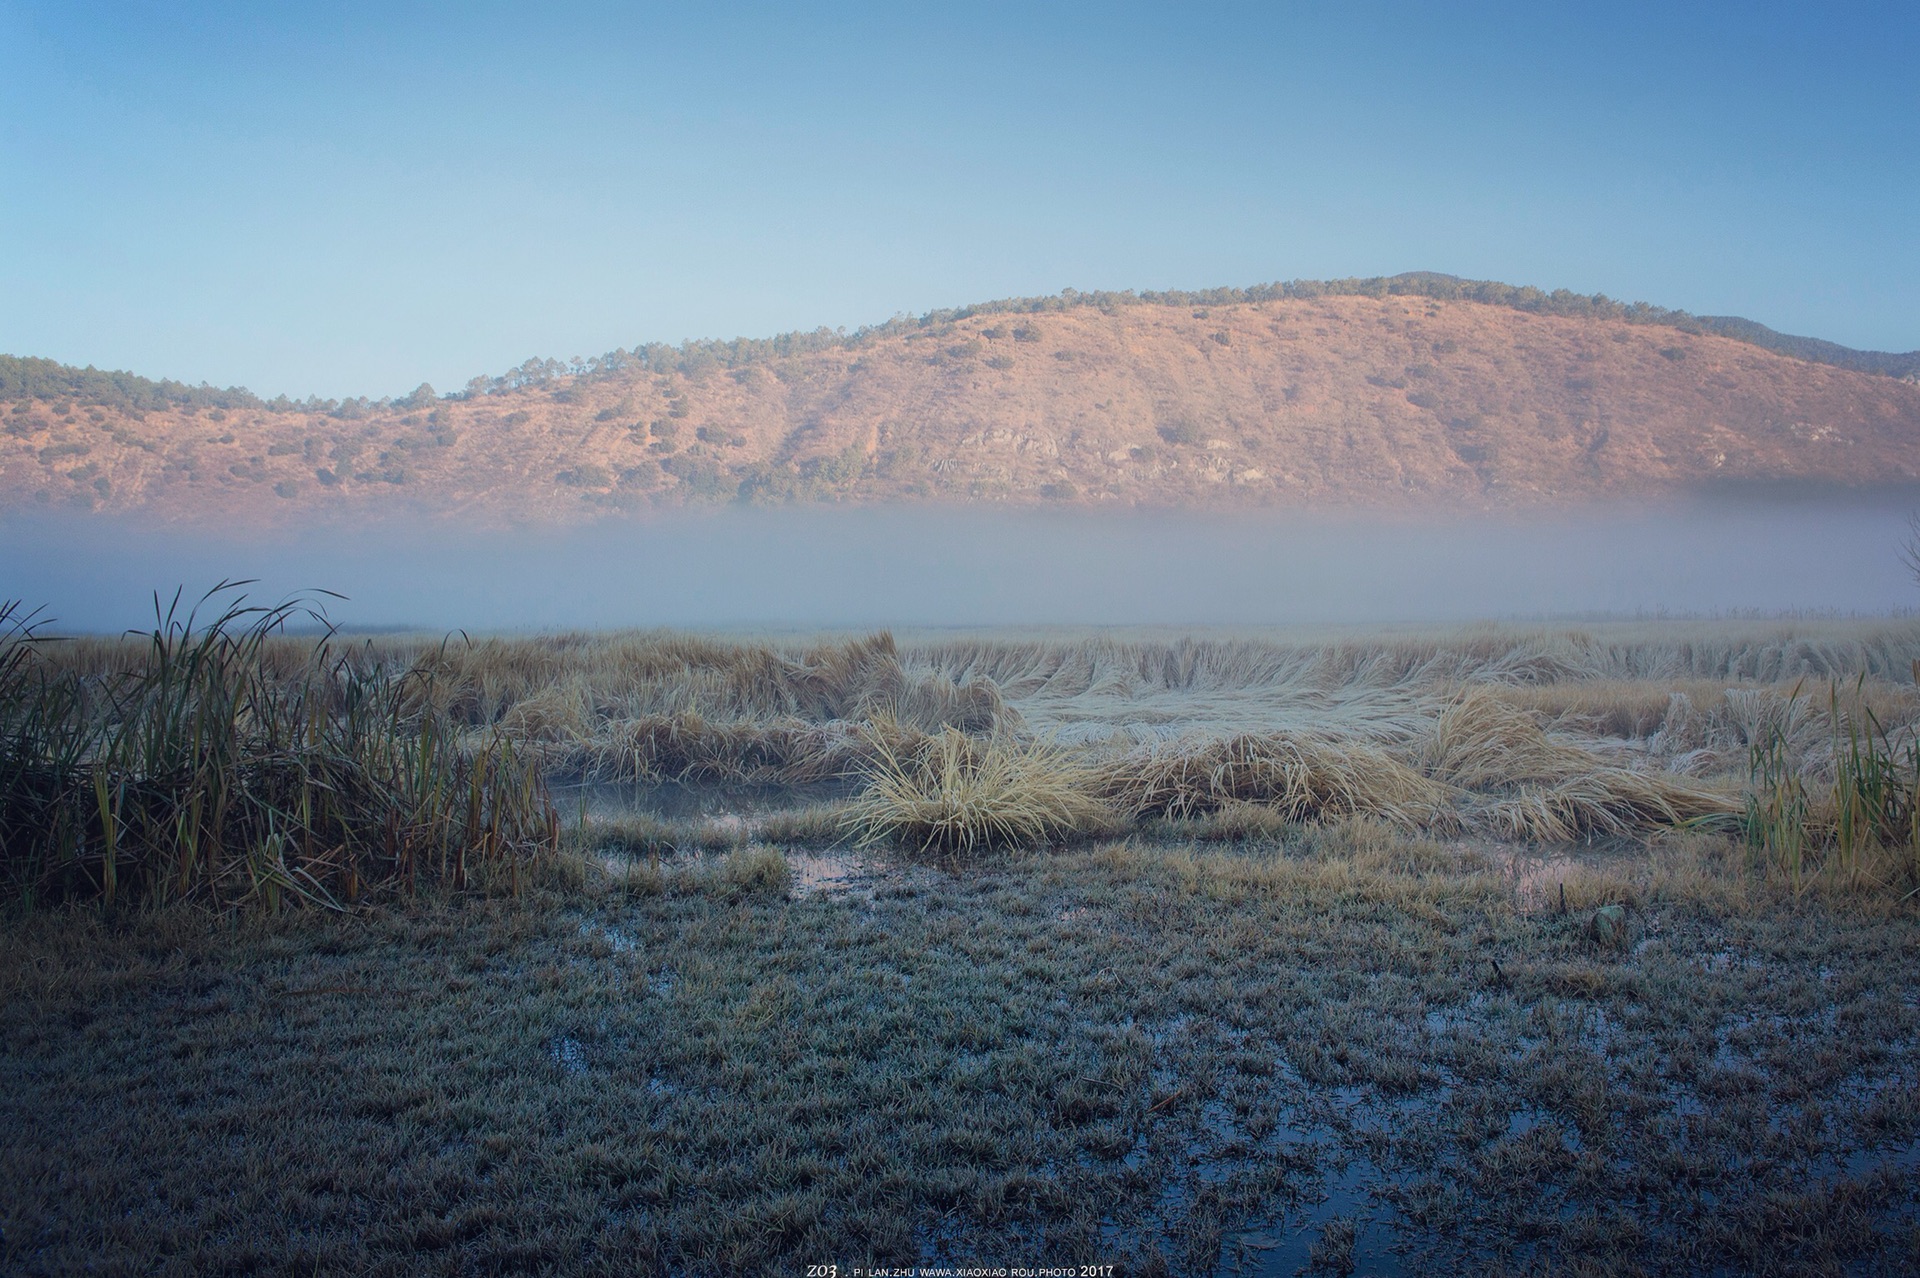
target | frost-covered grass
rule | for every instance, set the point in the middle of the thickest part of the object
(1319, 1043)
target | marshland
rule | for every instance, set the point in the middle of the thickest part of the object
(1510, 948)
(1105, 640)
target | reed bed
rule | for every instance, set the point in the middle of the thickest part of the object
(1732, 651)
(216, 769)
(1617, 677)
(1857, 818)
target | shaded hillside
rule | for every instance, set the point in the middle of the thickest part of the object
(1415, 395)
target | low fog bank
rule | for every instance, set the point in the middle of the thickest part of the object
(945, 567)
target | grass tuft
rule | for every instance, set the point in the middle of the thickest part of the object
(1542, 790)
(1298, 776)
(958, 796)
(1604, 801)
(750, 871)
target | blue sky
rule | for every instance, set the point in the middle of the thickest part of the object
(350, 199)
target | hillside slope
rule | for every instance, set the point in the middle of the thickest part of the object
(1288, 401)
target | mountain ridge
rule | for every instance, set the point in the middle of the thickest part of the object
(28, 376)
(1419, 390)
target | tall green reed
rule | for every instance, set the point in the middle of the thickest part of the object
(1870, 822)
(213, 771)
(1876, 788)
(1776, 820)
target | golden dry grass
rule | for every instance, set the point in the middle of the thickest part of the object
(1604, 801)
(1481, 741)
(958, 796)
(1300, 777)
(1549, 790)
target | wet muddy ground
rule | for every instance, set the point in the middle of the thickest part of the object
(1344, 1052)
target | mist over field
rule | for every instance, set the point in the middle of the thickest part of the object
(801, 568)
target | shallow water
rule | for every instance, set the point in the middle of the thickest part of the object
(1539, 875)
(834, 872)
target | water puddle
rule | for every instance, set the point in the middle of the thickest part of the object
(569, 1053)
(618, 939)
(1538, 875)
(1539, 878)
(1348, 1231)
(834, 872)
(1342, 1225)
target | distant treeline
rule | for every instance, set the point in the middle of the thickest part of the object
(31, 378)
(27, 377)
(693, 356)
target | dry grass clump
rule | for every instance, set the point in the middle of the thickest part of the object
(1602, 801)
(1298, 776)
(1480, 741)
(781, 752)
(1624, 708)
(561, 711)
(207, 772)
(816, 825)
(747, 872)
(959, 796)
(1551, 791)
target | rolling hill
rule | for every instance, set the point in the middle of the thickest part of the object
(1418, 391)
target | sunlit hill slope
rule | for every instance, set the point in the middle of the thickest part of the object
(1407, 392)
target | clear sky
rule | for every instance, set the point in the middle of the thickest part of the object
(352, 198)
